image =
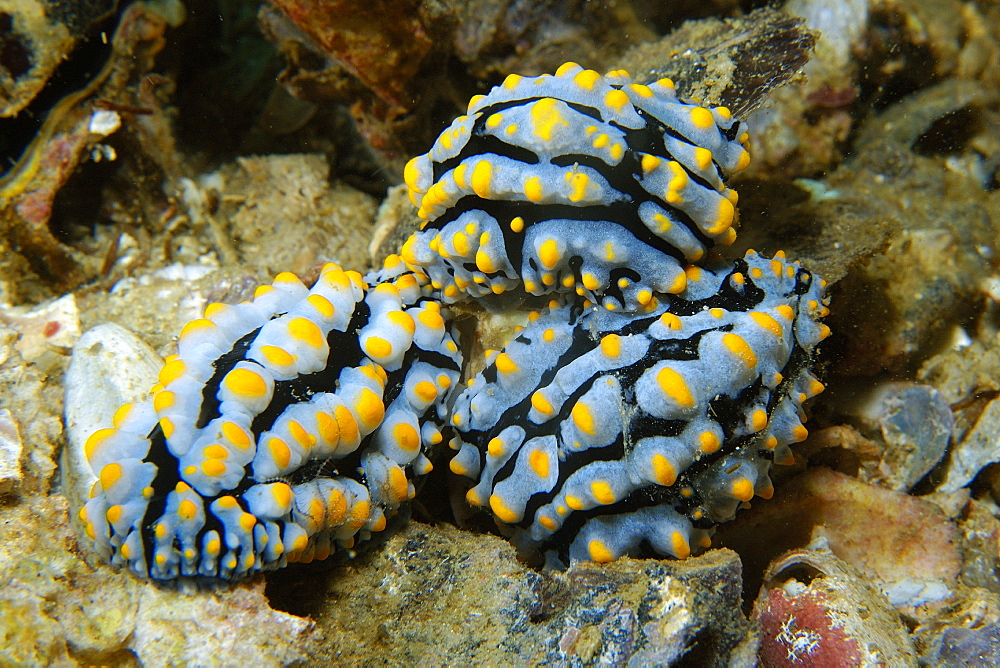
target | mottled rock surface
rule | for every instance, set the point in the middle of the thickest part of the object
(446, 596)
(61, 610)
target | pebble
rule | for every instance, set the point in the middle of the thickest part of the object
(11, 448)
(109, 366)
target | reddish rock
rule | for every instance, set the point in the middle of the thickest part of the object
(799, 630)
(816, 610)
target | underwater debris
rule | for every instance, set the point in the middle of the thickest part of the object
(971, 647)
(127, 368)
(34, 406)
(638, 612)
(388, 65)
(324, 220)
(975, 451)
(384, 50)
(28, 190)
(60, 610)
(36, 36)
(734, 62)
(915, 423)
(868, 527)
(51, 327)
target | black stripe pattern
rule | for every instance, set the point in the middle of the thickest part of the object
(595, 434)
(556, 183)
(285, 429)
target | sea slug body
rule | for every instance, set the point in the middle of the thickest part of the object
(643, 406)
(575, 183)
(285, 428)
(594, 433)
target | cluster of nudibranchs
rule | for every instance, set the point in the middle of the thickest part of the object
(644, 404)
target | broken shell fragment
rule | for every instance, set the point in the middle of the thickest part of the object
(817, 610)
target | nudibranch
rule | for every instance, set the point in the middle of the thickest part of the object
(575, 183)
(286, 427)
(642, 407)
(594, 432)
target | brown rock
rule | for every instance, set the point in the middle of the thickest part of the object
(439, 595)
(904, 544)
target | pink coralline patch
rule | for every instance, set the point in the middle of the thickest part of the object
(36, 207)
(58, 158)
(800, 631)
(62, 151)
